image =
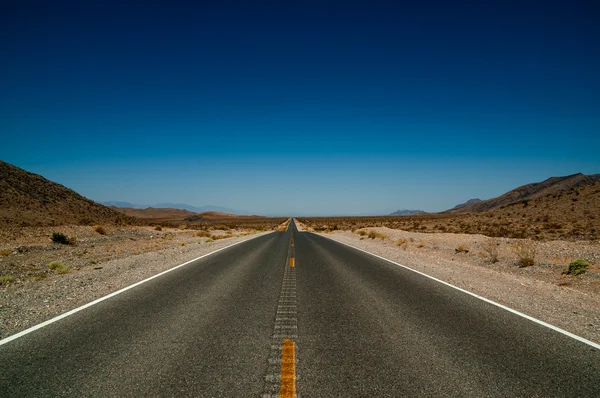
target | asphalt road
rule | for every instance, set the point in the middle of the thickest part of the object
(354, 325)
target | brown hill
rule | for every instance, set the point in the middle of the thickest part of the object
(155, 214)
(28, 199)
(216, 215)
(550, 186)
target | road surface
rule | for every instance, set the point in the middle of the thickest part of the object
(294, 313)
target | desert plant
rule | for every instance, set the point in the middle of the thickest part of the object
(59, 237)
(461, 249)
(208, 240)
(373, 235)
(491, 248)
(158, 228)
(203, 234)
(6, 279)
(402, 243)
(576, 267)
(59, 267)
(5, 252)
(361, 232)
(421, 244)
(526, 251)
(100, 229)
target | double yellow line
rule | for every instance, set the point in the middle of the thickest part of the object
(288, 351)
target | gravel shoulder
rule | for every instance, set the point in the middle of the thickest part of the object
(569, 302)
(98, 264)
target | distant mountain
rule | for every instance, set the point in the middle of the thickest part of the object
(468, 202)
(179, 206)
(155, 214)
(550, 186)
(408, 212)
(28, 199)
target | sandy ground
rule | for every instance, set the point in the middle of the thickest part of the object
(99, 264)
(542, 291)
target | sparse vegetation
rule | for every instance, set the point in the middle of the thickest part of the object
(203, 234)
(403, 243)
(100, 229)
(577, 267)
(526, 251)
(491, 248)
(158, 228)
(59, 237)
(5, 252)
(208, 240)
(6, 279)
(373, 235)
(59, 267)
(461, 249)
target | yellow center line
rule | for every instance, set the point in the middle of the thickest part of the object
(292, 262)
(288, 370)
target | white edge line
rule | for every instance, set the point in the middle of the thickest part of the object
(555, 328)
(73, 311)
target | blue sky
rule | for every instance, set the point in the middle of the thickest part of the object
(299, 108)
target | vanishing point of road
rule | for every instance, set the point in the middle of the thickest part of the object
(296, 314)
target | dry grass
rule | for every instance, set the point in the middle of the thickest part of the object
(373, 235)
(59, 267)
(5, 252)
(461, 249)
(526, 251)
(100, 229)
(491, 248)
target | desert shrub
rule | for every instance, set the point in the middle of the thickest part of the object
(577, 267)
(59, 237)
(361, 232)
(100, 229)
(526, 251)
(158, 228)
(221, 227)
(203, 234)
(373, 235)
(421, 244)
(461, 249)
(6, 279)
(491, 248)
(208, 240)
(5, 252)
(402, 242)
(59, 267)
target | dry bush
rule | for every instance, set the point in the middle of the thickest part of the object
(526, 251)
(403, 243)
(421, 244)
(158, 228)
(491, 247)
(373, 235)
(100, 229)
(5, 252)
(203, 234)
(361, 232)
(461, 249)
(59, 267)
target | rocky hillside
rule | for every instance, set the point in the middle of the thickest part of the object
(551, 186)
(28, 199)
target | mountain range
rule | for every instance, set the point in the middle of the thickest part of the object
(552, 185)
(407, 212)
(179, 206)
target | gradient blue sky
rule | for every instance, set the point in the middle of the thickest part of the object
(299, 108)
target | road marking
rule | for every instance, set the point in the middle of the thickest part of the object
(549, 326)
(99, 300)
(281, 378)
(288, 370)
